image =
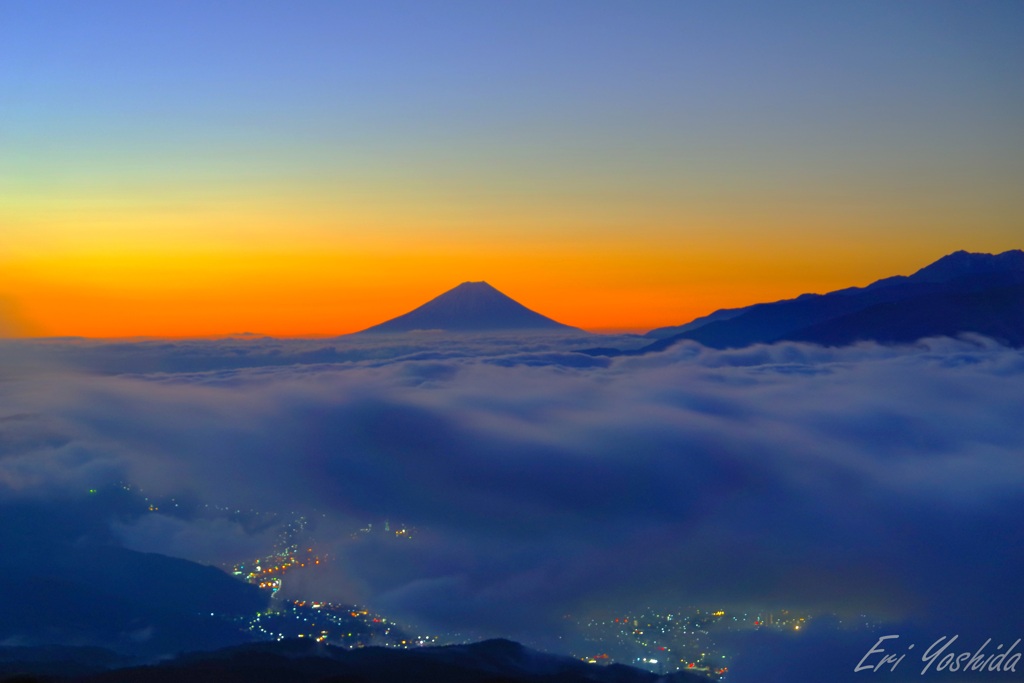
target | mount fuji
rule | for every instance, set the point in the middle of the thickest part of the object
(472, 307)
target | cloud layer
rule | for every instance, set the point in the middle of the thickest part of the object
(866, 479)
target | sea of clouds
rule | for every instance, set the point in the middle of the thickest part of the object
(877, 480)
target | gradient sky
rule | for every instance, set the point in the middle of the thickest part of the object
(194, 168)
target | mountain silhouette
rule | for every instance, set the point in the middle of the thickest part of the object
(471, 307)
(303, 661)
(960, 293)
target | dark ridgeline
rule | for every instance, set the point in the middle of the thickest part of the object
(66, 584)
(471, 307)
(301, 661)
(959, 293)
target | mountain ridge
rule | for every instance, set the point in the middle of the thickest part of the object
(487, 661)
(962, 292)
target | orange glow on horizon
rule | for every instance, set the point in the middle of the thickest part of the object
(266, 289)
(296, 295)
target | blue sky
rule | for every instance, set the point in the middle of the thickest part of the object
(670, 157)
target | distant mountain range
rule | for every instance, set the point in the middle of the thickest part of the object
(959, 293)
(471, 307)
(301, 661)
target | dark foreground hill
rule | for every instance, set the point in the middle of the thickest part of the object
(492, 661)
(471, 307)
(66, 584)
(960, 293)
